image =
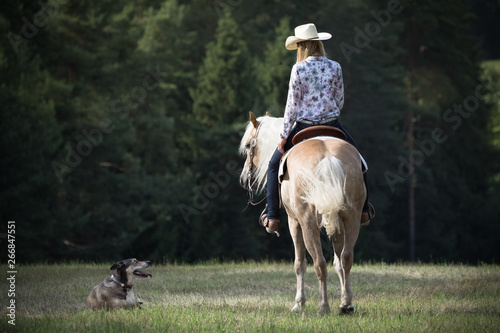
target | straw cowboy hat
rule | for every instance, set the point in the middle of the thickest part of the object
(305, 32)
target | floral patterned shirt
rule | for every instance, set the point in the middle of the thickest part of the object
(315, 93)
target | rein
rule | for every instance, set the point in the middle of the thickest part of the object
(251, 174)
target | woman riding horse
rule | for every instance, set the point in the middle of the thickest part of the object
(315, 97)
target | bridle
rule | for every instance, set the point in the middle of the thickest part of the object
(251, 172)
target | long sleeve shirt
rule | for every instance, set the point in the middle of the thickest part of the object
(315, 93)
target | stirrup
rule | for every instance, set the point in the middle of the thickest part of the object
(370, 213)
(272, 225)
(262, 216)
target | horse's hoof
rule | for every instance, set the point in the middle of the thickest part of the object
(323, 312)
(347, 310)
(297, 309)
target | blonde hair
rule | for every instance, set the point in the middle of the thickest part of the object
(308, 48)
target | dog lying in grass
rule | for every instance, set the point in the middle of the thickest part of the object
(116, 291)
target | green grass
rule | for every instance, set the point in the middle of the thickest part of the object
(257, 297)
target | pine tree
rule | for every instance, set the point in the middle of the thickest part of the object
(273, 72)
(224, 93)
(221, 100)
(114, 127)
(30, 140)
(447, 143)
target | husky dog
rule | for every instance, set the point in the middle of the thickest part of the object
(116, 290)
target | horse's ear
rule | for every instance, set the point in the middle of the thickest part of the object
(268, 114)
(253, 119)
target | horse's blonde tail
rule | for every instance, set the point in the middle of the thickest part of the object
(324, 188)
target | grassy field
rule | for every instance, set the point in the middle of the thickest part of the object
(257, 297)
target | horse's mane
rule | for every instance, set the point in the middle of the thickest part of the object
(267, 141)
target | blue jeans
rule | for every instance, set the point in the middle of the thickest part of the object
(272, 171)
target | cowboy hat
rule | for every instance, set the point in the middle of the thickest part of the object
(305, 32)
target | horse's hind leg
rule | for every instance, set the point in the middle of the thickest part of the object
(313, 245)
(345, 289)
(300, 264)
(343, 243)
(338, 246)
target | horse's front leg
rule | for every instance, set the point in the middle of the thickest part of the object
(300, 264)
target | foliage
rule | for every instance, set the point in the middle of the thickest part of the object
(273, 72)
(121, 121)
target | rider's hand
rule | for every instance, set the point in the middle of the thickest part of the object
(281, 145)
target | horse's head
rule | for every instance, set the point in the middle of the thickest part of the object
(258, 144)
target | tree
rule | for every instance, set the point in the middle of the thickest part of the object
(273, 72)
(442, 78)
(221, 100)
(224, 92)
(121, 122)
(30, 139)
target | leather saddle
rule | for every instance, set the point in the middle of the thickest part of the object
(315, 131)
(312, 132)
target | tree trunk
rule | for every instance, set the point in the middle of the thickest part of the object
(411, 191)
(410, 134)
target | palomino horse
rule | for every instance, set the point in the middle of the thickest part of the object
(322, 188)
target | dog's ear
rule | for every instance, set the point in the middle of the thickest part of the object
(118, 266)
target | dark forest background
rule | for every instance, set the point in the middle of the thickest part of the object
(121, 120)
